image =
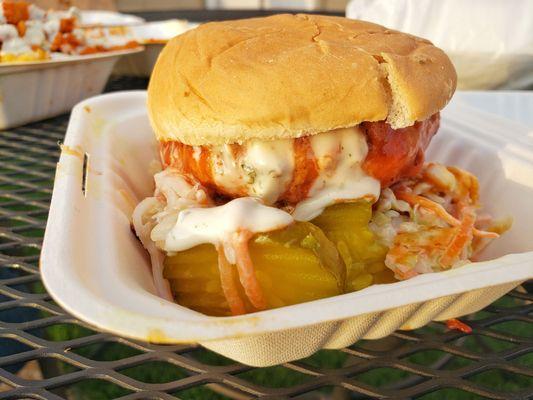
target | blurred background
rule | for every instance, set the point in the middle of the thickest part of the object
(491, 45)
(159, 5)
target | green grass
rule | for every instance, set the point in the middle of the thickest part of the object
(280, 376)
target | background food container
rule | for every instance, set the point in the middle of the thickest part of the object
(43, 89)
(153, 36)
(96, 269)
(140, 64)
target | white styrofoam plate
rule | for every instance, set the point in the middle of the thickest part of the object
(42, 89)
(515, 105)
(96, 269)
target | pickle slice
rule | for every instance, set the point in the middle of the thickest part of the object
(305, 261)
(194, 280)
(346, 225)
(292, 265)
(297, 264)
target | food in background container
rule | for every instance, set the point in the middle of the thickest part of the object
(23, 36)
(28, 33)
(102, 39)
(292, 150)
(45, 58)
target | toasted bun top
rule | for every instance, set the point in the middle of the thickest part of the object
(287, 76)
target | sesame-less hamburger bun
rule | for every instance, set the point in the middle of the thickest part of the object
(288, 76)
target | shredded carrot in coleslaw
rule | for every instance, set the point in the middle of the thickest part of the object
(428, 204)
(228, 283)
(462, 237)
(246, 270)
(445, 235)
(439, 211)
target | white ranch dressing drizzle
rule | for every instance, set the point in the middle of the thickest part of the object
(15, 45)
(340, 154)
(51, 28)
(7, 32)
(216, 225)
(34, 35)
(197, 153)
(188, 217)
(264, 169)
(72, 12)
(36, 13)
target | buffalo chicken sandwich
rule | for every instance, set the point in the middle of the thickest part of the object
(292, 151)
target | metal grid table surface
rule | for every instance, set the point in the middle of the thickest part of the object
(495, 361)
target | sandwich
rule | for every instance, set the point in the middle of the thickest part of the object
(292, 164)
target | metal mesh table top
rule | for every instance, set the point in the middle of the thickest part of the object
(495, 361)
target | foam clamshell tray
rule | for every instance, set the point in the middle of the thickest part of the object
(95, 268)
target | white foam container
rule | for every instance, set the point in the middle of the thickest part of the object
(153, 36)
(516, 105)
(140, 64)
(37, 90)
(96, 269)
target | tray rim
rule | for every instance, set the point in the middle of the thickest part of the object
(194, 327)
(14, 67)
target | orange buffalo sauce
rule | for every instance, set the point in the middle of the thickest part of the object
(458, 325)
(188, 160)
(393, 154)
(304, 174)
(14, 12)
